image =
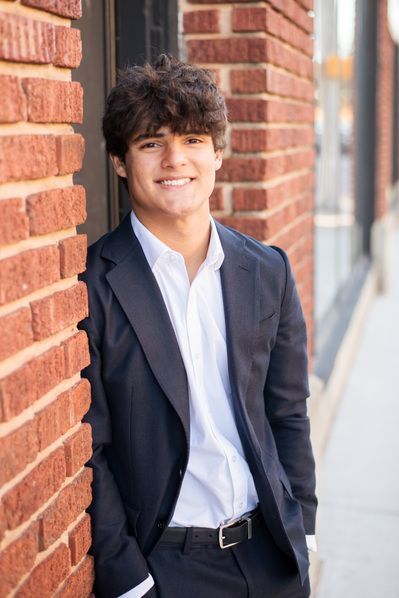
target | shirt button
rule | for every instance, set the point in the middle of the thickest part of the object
(234, 458)
(172, 257)
(240, 505)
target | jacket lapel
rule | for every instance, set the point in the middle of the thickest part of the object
(140, 297)
(239, 275)
(240, 286)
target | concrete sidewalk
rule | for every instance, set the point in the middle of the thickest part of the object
(358, 480)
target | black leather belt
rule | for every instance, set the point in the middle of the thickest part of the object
(225, 536)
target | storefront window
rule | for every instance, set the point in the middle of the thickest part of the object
(336, 233)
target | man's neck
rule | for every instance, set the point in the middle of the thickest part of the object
(188, 236)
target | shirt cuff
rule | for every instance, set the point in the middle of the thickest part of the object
(140, 590)
(311, 543)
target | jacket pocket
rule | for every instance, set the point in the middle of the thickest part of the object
(268, 324)
(286, 483)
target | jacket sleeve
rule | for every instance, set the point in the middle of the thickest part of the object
(119, 563)
(286, 391)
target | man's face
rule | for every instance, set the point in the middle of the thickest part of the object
(169, 176)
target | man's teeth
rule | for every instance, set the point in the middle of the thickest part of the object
(175, 182)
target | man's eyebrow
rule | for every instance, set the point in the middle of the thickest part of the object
(143, 136)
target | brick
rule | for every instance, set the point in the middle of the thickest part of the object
(287, 237)
(70, 153)
(71, 9)
(248, 80)
(53, 421)
(297, 12)
(261, 228)
(64, 412)
(53, 101)
(17, 391)
(17, 449)
(73, 251)
(80, 539)
(307, 4)
(12, 100)
(279, 54)
(201, 21)
(79, 398)
(270, 139)
(68, 47)
(76, 350)
(26, 40)
(28, 271)
(65, 509)
(278, 111)
(80, 583)
(248, 199)
(57, 311)
(249, 140)
(16, 332)
(56, 209)
(288, 85)
(21, 501)
(248, 19)
(247, 110)
(260, 110)
(49, 370)
(17, 559)
(34, 157)
(258, 140)
(28, 383)
(14, 223)
(217, 199)
(48, 575)
(275, 23)
(78, 449)
(242, 169)
(227, 50)
(283, 164)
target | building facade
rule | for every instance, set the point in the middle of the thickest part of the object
(316, 177)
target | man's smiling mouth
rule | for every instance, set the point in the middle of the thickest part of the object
(175, 182)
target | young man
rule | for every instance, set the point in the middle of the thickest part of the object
(203, 470)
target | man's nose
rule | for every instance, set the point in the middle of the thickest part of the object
(174, 155)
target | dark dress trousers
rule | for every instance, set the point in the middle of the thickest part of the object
(140, 406)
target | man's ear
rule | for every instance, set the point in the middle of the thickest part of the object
(218, 159)
(119, 165)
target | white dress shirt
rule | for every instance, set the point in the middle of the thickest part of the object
(217, 486)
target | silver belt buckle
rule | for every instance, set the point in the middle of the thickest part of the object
(226, 525)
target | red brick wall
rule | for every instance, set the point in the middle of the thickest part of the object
(44, 531)
(385, 50)
(262, 56)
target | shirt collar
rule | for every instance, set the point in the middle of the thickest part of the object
(153, 248)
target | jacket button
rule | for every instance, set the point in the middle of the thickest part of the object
(161, 525)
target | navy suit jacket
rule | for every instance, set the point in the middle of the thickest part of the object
(140, 407)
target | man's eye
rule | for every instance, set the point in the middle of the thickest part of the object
(149, 144)
(194, 140)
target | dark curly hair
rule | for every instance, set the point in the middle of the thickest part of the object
(167, 92)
